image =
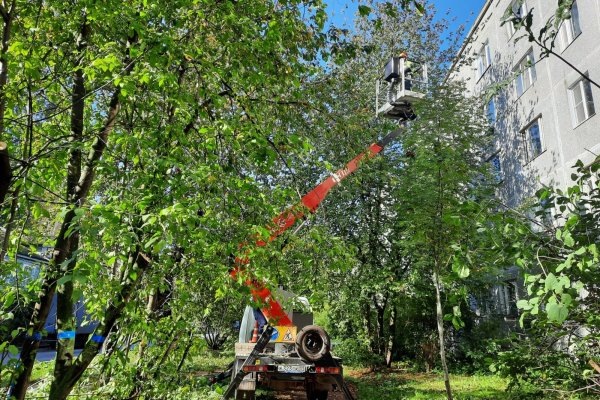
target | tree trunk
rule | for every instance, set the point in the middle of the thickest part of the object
(438, 245)
(381, 337)
(65, 321)
(440, 326)
(368, 324)
(10, 224)
(61, 388)
(42, 307)
(391, 338)
(8, 16)
(5, 172)
(61, 252)
(186, 351)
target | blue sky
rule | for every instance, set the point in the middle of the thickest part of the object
(342, 12)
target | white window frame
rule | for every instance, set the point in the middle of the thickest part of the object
(580, 87)
(517, 9)
(529, 154)
(484, 59)
(525, 73)
(570, 29)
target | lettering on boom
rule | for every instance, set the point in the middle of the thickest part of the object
(341, 174)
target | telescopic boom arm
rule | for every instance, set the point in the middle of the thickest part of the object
(272, 310)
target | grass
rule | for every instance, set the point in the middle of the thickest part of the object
(211, 361)
(396, 384)
(393, 384)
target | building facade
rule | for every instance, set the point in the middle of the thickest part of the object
(543, 112)
(32, 264)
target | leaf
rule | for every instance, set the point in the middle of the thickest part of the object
(568, 239)
(522, 319)
(456, 311)
(420, 9)
(557, 312)
(563, 282)
(550, 282)
(364, 11)
(77, 294)
(524, 305)
(458, 323)
(64, 279)
(133, 275)
(9, 299)
(13, 350)
(150, 242)
(565, 264)
(459, 268)
(593, 248)
(159, 246)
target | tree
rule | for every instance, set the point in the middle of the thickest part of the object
(147, 123)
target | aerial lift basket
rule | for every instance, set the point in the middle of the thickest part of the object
(403, 82)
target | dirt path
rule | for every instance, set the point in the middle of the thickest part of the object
(302, 395)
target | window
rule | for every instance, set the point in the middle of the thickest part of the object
(505, 299)
(484, 59)
(525, 73)
(510, 298)
(532, 140)
(545, 212)
(496, 166)
(491, 111)
(582, 102)
(570, 28)
(517, 9)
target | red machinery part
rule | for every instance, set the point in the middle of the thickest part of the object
(271, 309)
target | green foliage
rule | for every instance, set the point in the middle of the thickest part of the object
(357, 353)
(559, 311)
(206, 93)
(381, 281)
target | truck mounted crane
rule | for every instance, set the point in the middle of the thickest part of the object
(291, 353)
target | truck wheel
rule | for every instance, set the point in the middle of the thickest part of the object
(312, 343)
(245, 395)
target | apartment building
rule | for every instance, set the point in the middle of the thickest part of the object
(544, 113)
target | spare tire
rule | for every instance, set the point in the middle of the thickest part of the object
(313, 343)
